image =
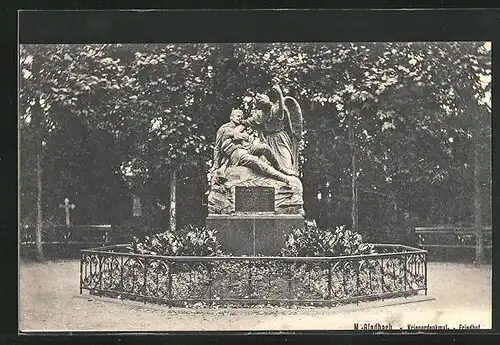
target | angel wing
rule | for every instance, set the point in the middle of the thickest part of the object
(295, 124)
(294, 117)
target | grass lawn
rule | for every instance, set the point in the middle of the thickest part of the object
(50, 301)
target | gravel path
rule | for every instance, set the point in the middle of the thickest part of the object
(50, 301)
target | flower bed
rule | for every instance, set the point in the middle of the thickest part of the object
(388, 271)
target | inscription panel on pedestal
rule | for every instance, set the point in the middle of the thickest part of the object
(254, 199)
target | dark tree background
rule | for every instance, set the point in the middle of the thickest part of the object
(395, 132)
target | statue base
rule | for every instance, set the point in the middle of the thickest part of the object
(253, 233)
(287, 199)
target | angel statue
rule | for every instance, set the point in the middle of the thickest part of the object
(280, 126)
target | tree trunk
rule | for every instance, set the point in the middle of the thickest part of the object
(354, 189)
(39, 218)
(478, 202)
(478, 207)
(173, 183)
(38, 125)
(394, 210)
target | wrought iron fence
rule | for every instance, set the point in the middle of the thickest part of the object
(395, 271)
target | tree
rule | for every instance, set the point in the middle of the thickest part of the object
(144, 100)
(38, 122)
(405, 105)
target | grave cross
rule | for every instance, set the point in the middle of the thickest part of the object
(67, 206)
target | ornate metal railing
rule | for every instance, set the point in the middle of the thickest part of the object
(396, 271)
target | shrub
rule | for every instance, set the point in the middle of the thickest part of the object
(312, 241)
(309, 241)
(189, 240)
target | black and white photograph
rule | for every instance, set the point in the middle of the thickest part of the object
(244, 186)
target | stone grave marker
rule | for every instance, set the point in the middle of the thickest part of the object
(67, 206)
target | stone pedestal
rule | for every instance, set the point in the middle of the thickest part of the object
(253, 233)
(223, 197)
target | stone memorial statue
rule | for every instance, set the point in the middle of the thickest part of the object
(260, 151)
(280, 126)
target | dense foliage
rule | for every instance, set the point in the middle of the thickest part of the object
(190, 241)
(115, 118)
(312, 241)
(308, 241)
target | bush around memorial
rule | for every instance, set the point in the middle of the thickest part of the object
(187, 241)
(301, 242)
(313, 241)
